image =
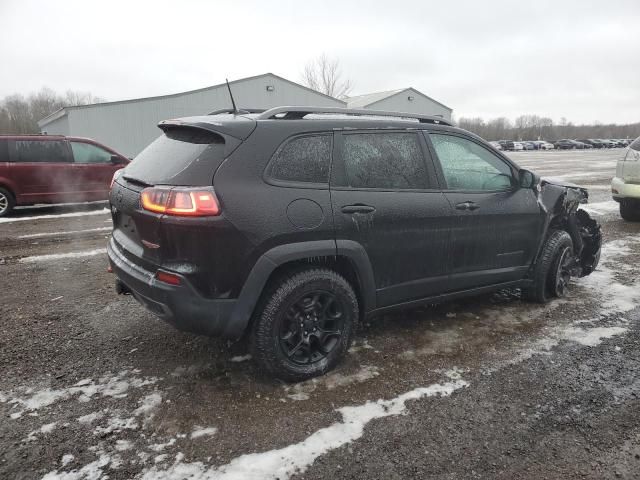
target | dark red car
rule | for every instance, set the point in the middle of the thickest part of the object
(54, 169)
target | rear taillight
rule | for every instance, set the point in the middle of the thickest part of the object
(187, 202)
(116, 174)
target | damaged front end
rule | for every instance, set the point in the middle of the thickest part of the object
(561, 202)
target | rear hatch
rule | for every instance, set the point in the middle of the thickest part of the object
(186, 155)
(629, 167)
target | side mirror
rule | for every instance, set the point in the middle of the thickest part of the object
(116, 160)
(528, 179)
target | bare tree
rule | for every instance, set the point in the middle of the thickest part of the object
(323, 75)
(20, 115)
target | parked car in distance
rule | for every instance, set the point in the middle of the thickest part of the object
(510, 146)
(582, 145)
(542, 145)
(567, 144)
(593, 142)
(496, 145)
(528, 145)
(54, 169)
(625, 186)
(607, 143)
(298, 223)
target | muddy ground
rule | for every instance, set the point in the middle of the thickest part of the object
(93, 386)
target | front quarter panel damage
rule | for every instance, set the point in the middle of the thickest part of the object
(561, 202)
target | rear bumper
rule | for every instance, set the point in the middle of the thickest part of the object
(181, 306)
(624, 190)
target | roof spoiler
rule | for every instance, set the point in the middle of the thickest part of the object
(298, 113)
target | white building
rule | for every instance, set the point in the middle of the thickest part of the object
(130, 125)
(407, 100)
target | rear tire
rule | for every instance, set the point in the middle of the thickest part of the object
(630, 211)
(304, 324)
(7, 202)
(551, 274)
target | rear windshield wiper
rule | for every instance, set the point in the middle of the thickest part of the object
(136, 181)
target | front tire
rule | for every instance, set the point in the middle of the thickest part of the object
(305, 324)
(7, 202)
(553, 270)
(630, 211)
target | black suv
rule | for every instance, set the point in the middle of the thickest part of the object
(294, 224)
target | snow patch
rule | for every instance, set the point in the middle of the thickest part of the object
(91, 471)
(62, 256)
(593, 336)
(148, 404)
(158, 447)
(115, 386)
(203, 432)
(116, 424)
(241, 358)
(296, 458)
(70, 232)
(301, 391)
(104, 211)
(122, 445)
(91, 417)
(337, 380)
(66, 459)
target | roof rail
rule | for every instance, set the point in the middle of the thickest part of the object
(241, 110)
(297, 113)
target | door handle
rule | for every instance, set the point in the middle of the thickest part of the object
(358, 209)
(467, 206)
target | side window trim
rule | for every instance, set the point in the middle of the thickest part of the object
(338, 179)
(267, 178)
(438, 165)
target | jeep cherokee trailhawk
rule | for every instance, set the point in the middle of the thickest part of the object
(293, 224)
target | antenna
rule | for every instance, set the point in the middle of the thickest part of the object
(235, 109)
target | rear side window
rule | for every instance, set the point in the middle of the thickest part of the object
(384, 160)
(303, 159)
(88, 153)
(181, 156)
(635, 144)
(4, 151)
(55, 151)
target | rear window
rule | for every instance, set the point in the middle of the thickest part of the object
(303, 159)
(635, 144)
(55, 151)
(181, 156)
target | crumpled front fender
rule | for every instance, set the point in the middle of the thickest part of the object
(561, 203)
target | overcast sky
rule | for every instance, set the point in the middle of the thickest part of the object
(577, 59)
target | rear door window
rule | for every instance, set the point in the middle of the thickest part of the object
(303, 159)
(41, 151)
(389, 161)
(88, 153)
(181, 156)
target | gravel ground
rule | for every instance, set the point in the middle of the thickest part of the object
(93, 386)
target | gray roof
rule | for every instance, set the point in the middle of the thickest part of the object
(359, 101)
(62, 111)
(364, 101)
